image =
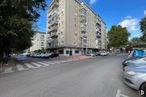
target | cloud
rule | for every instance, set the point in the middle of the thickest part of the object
(132, 24)
(128, 17)
(93, 1)
(144, 12)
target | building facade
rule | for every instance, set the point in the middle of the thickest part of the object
(39, 41)
(74, 28)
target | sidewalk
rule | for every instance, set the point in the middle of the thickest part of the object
(14, 65)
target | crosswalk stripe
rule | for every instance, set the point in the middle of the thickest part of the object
(45, 64)
(8, 70)
(29, 65)
(20, 67)
(37, 65)
(56, 62)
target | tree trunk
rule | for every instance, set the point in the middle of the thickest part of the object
(1, 61)
(1, 56)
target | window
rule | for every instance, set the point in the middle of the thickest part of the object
(67, 52)
(61, 51)
(76, 51)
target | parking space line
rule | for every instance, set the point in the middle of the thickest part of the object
(119, 94)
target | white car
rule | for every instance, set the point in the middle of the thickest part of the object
(21, 57)
(91, 54)
(135, 77)
(103, 53)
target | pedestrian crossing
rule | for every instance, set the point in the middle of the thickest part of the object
(20, 67)
(30, 65)
(8, 70)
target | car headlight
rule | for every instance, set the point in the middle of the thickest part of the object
(131, 73)
(126, 62)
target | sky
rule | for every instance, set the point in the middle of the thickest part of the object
(126, 13)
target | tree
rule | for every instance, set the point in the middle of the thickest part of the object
(118, 36)
(143, 25)
(16, 20)
(143, 28)
(135, 42)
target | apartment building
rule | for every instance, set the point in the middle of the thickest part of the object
(39, 41)
(74, 28)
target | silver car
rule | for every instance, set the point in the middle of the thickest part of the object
(135, 77)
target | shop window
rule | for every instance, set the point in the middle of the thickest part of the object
(67, 52)
(76, 51)
(61, 51)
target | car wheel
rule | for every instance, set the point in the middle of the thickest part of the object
(143, 90)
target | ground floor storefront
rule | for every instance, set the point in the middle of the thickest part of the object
(69, 51)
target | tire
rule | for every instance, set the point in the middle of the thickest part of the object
(143, 90)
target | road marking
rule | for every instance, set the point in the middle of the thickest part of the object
(20, 67)
(55, 62)
(119, 94)
(8, 70)
(37, 65)
(45, 64)
(29, 66)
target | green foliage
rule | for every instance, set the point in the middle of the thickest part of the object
(143, 25)
(16, 20)
(118, 36)
(135, 42)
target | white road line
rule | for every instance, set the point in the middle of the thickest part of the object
(8, 70)
(29, 65)
(20, 67)
(37, 65)
(56, 62)
(119, 94)
(49, 62)
(45, 64)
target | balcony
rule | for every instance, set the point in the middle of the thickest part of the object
(98, 35)
(54, 35)
(83, 29)
(53, 16)
(84, 36)
(55, 4)
(83, 21)
(53, 29)
(53, 23)
(53, 43)
(53, 11)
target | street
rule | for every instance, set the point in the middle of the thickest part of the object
(96, 77)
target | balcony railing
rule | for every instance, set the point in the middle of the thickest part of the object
(83, 29)
(53, 23)
(54, 35)
(55, 4)
(54, 43)
(54, 28)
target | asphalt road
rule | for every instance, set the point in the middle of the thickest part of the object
(98, 77)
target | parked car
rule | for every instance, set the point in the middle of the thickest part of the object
(41, 55)
(135, 77)
(134, 60)
(103, 53)
(91, 54)
(136, 56)
(21, 57)
(137, 53)
(54, 55)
